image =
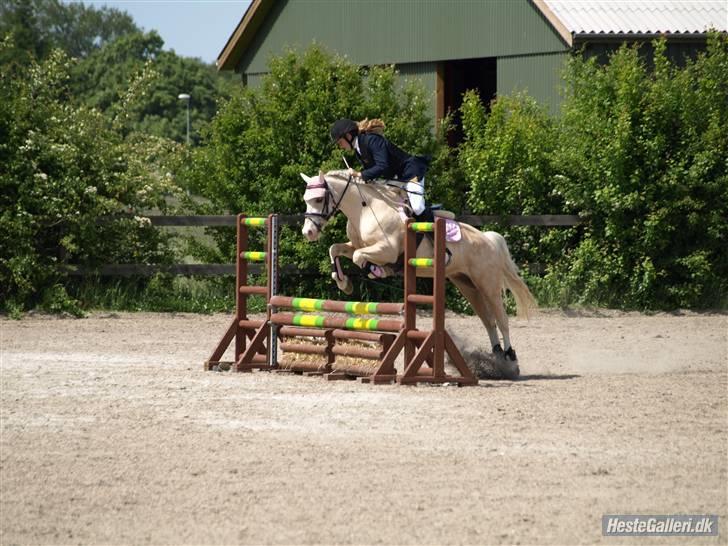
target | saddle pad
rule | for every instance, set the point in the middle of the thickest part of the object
(452, 228)
(452, 231)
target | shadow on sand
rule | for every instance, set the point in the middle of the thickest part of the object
(547, 377)
(523, 380)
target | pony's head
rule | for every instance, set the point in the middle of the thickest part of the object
(317, 197)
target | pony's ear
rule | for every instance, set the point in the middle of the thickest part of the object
(322, 180)
(306, 178)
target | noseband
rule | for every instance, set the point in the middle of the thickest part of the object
(325, 213)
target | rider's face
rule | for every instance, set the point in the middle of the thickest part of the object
(343, 143)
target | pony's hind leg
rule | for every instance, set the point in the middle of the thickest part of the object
(476, 301)
(505, 361)
(493, 296)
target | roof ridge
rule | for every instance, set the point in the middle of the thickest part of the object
(640, 16)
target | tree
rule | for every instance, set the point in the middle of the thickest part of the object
(110, 51)
(39, 26)
(100, 79)
(65, 173)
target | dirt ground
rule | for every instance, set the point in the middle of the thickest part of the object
(111, 433)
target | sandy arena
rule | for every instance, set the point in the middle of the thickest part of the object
(111, 433)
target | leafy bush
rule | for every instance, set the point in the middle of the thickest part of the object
(640, 154)
(644, 158)
(507, 155)
(62, 169)
(507, 158)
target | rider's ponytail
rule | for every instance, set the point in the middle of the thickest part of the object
(375, 126)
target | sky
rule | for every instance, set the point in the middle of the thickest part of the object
(192, 28)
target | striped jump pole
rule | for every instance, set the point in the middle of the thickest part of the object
(335, 306)
(323, 321)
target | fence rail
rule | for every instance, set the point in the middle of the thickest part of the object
(215, 270)
(292, 219)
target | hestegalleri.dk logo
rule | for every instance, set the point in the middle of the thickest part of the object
(654, 525)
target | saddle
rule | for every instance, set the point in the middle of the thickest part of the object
(439, 212)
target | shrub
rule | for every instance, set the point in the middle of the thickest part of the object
(507, 159)
(62, 169)
(640, 154)
(643, 153)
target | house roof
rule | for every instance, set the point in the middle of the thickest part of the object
(243, 34)
(589, 17)
(569, 18)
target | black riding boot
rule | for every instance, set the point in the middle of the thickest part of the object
(426, 216)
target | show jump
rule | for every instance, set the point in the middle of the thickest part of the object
(341, 338)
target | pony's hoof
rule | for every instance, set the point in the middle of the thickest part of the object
(345, 284)
(347, 287)
(506, 363)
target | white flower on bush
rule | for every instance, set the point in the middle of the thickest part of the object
(146, 190)
(90, 190)
(143, 221)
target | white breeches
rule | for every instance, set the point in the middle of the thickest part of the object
(416, 193)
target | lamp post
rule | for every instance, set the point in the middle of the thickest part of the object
(186, 97)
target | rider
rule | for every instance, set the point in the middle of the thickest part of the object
(382, 159)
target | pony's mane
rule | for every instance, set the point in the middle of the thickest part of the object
(389, 194)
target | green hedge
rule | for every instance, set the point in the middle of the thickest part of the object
(641, 154)
(64, 171)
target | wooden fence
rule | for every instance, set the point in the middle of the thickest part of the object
(213, 270)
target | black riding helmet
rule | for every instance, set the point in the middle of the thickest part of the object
(343, 127)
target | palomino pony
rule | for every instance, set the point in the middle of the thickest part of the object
(480, 264)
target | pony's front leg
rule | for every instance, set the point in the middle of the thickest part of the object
(375, 259)
(335, 252)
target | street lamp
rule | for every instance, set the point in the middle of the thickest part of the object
(186, 97)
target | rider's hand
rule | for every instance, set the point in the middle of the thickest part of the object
(353, 173)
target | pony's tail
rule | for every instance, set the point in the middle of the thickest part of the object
(525, 302)
(375, 125)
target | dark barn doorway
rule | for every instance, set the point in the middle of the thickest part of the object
(456, 77)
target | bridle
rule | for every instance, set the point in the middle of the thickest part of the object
(325, 213)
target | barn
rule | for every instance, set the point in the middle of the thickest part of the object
(494, 46)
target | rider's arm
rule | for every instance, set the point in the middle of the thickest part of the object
(378, 149)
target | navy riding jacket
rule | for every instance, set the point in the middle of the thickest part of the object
(382, 159)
